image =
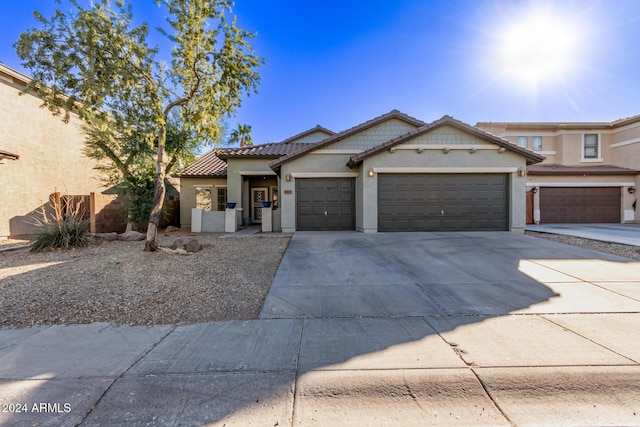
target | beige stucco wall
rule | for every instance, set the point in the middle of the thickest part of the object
(436, 161)
(51, 159)
(628, 156)
(313, 164)
(188, 195)
(626, 133)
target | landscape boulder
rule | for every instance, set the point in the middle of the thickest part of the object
(190, 245)
(106, 237)
(131, 236)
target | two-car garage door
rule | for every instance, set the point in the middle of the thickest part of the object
(443, 202)
(579, 205)
(408, 202)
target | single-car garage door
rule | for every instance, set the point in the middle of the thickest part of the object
(579, 205)
(325, 204)
(443, 202)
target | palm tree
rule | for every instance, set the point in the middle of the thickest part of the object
(241, 135)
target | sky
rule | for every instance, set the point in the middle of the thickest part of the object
(340, 63)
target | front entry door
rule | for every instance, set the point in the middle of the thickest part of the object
(258, 195)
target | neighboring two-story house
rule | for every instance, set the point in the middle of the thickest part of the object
(590, 173)
(39, 155)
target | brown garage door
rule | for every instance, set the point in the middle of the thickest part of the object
(442, 202)
(325, 204)
(579, 205)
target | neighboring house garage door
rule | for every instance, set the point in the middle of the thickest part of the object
(325, 204)
(442, 202)
(579, 205)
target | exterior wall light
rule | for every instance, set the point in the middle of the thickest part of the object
(522, 172)
(420, 150)
(446, 150)
(472, 150)
(631, 190)
(370, 173)
(501, 150)
(288, 177)
(534, 190)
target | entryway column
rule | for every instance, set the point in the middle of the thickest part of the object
(230, 221)
(267, 220)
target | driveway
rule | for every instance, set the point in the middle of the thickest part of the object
(460, 328)
(384, 329)
(445, 274)
(627, 234)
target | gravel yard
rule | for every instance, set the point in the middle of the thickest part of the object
(627, 251)
(119, 283)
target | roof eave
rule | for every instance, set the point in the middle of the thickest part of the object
(202, 176)
(250, 156)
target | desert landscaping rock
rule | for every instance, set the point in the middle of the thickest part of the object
(190, 245)
(131, 236)
(117, 282)
(626, 251)
(106, 237)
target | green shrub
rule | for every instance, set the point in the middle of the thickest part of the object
(63, 230)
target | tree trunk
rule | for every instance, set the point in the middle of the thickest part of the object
(159, 191)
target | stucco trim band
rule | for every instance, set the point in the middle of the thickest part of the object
(445, 170)
(324, 174)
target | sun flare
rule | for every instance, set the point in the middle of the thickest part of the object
(537, 48)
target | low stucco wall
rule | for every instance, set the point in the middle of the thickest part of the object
(207, 221)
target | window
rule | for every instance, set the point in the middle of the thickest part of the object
(537, 143)
(522, 141)
(222, 198)
(590, 146)
(203, 198)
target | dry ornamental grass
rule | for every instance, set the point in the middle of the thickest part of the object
(119, 283)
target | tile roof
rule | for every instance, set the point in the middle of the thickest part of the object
(8, 155)
(206, 166)
(214, 162)
(274, 149)
(450, 121)
(394, 114)
(556, 126)
(553, 169)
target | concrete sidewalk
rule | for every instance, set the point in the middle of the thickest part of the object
(388, 329)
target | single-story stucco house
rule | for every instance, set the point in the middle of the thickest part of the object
(391, 173)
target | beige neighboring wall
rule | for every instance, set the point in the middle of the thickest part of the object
(625, 152)
(51, 157)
